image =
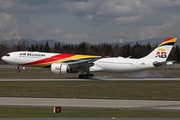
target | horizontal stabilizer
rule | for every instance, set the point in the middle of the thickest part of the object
(165, 63)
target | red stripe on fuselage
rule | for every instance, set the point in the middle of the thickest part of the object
(50, 59)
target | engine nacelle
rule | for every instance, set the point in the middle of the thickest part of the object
(60, 68)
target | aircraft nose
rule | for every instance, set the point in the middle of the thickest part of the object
(3, 58)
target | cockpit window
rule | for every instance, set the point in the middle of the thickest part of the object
(7, 55)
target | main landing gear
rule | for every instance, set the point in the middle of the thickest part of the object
(86, 76)
(18, 69)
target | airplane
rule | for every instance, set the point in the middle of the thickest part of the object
(156, 58)
(71, 63)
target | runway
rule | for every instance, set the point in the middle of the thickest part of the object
(90, 103)
(98, 79)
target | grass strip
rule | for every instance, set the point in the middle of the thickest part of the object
(136, 90)
(7, 112)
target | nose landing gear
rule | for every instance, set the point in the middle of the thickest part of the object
(18, 69)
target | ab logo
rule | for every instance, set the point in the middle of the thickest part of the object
(161, 54)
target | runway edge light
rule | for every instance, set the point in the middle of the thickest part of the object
(57, 109)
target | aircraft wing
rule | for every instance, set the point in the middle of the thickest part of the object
(81, 61)
(164, 63)
(81, 64)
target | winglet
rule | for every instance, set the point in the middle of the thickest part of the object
(168, 41)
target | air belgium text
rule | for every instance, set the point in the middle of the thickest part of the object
(31, 55)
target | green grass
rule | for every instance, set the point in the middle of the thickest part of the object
(67, 112)
(148, 90)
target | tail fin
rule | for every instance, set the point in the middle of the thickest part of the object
(162, 52)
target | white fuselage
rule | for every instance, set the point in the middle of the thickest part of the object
(111, 64)
(119, 64)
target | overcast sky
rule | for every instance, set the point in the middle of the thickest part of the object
(94, 21)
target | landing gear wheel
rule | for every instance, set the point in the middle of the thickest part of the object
(91, 75)
(81, 76)
(86, 76)
(18, 70)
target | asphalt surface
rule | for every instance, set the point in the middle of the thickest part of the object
(90, 103)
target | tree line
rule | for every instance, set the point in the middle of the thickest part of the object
(103, 49)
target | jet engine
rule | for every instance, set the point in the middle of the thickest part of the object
(58, 68)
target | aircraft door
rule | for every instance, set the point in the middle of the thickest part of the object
(138, 64)
(47, 59)
(15, 57)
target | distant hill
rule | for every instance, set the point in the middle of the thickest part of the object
(153, 42)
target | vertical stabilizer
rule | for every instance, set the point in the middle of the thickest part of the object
(162, 52)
